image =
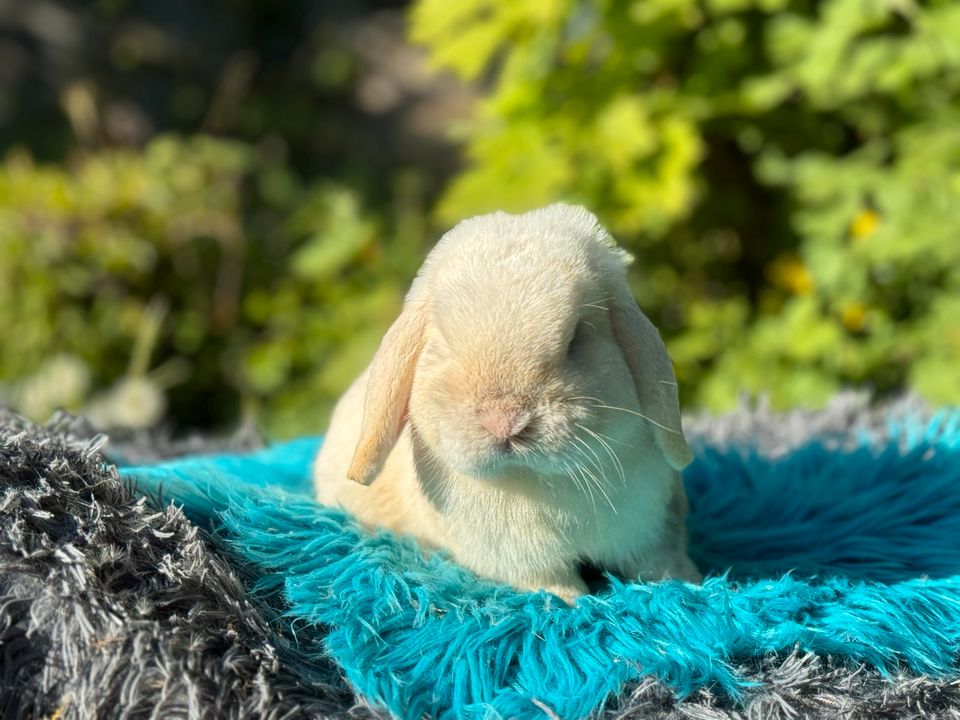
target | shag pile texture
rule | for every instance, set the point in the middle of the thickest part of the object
(833, 539)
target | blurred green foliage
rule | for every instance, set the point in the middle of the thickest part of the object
(199, 273)
(786, 171)
(205, 212)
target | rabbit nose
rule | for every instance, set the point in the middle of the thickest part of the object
(504, 422)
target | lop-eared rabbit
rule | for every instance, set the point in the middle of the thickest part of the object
(521, 413)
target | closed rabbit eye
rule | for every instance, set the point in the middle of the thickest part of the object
(575, 339)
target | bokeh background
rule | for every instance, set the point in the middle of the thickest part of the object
(209, 212)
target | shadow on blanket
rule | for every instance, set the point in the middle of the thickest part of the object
(839, 547)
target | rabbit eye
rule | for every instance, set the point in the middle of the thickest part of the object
(575, 339)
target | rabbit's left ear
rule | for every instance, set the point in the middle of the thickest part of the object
(652, 372)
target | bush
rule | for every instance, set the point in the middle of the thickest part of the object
(199, 274)
(787, 172)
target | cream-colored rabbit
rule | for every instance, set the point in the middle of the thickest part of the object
(521, 413)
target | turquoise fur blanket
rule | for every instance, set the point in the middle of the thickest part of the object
(844, 549)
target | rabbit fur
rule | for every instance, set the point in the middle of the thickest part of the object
(521, 413)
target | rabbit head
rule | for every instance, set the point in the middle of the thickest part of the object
(519, 340)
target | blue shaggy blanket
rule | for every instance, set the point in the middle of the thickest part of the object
(847, 550)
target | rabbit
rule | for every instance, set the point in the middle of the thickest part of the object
(521, 413)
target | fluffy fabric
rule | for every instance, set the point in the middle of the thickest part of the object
(867, 534)
(110, 608)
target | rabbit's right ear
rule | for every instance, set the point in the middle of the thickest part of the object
(388, 392)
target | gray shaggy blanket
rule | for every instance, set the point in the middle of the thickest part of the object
(113, 607)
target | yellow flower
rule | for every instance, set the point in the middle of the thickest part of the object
(864, 224)
(790, 273)
(853, 315)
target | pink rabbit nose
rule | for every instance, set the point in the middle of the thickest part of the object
(504, 422)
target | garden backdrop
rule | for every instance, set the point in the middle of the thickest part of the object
(209, 212)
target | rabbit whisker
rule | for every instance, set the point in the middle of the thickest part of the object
(569, 472)
(611, 439)
(596, 402)
(610, 452)
(596, 458)
(640, 415)
(599, 485)
(593, 479)
(582, 484)
(597, 303)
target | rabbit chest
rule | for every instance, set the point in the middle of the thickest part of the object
(509, 529)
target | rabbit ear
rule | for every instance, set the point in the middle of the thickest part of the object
(652, 373)
(388, 393)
